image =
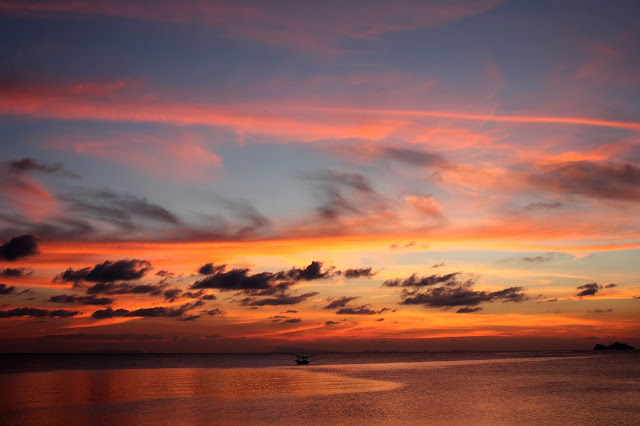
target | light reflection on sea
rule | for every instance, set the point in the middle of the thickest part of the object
(524, 388)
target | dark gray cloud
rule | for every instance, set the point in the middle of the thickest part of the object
(331, 323)
(121, 270)
(213, 312)
(26, 165)
(210, 269)
(19, 247)
(344, 194)
(468, 310)
(416, 157)
(601, 311)
(125, 288)
(539, 205)
(118, 208)
(416, 281)
(6, 290)
(358, 272)
(459, 294)
(603, 180)
(340, 302)
(164, 274)
(172, 294)
(155, 312)
(259, 284)
(361, 310)
(38, 313)
(14, 272)
(81, 300)
(589, 289)
(278, 300)
(438, 265)
(292, 321)
(537, 259)
(611, 285)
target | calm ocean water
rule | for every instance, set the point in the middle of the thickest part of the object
(368, 388)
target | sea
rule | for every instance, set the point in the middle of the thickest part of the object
(452, 388)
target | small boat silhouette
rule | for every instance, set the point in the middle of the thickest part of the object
(302, 359)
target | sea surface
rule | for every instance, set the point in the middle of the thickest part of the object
(510, 388)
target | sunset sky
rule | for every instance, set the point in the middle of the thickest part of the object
(250, 176)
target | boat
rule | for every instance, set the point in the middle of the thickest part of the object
(302, 359)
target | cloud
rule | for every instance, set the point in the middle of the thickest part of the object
(416, 281)
(601, 311)
(121, 270)
(415, 157)
(171, 294)
(537, 259)
(165, 274)
(120, 209)
(460, 294)
(19, 247)
(263, 283)
(342, 194)
(125, 288)
(588, 289)
(602, 180)
(361, 310)
(292, 321)
(30, 164)
(358, 272)
(210, 269)
(331, 323)
(611, 285)
(541, 205)
(447, 291)
(156, 312)
(468, 310)
(14, 272)
(81, 300)
(38, 313)
(340, 302)
(278, 300)
(438, 265)
(213, 312)
(6, 290)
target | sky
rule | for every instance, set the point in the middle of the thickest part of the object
(250, 176)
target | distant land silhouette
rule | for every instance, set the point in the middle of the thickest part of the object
(617, 346)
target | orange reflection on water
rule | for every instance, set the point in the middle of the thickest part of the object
(82, 387)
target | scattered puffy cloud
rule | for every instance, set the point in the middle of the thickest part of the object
(81, 300)
(447, 291)
(38, 313)
(277, 300)
(4, 289)
(417, 281)
(589, 289)
(125, 288)
(121, 270)
(14, 272)
(468, 310)
(340, 302)
(361, 310)
(19, 247)
(358, 273)
(155, 312)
